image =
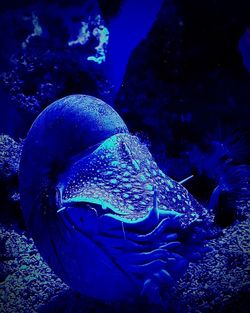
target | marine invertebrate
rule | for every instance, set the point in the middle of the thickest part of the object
(107, 220)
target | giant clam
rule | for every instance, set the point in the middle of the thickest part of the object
(107, 220)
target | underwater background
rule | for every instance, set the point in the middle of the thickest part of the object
(178, 73)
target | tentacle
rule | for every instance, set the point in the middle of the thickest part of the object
(149, 267)
(171, 245)
(155, 233)
(177, 268)
(123, 245)
(162, 214)
(164, 278)
(153, 286)
(146, 257)
(170, 237)
(169, 222)
(151, 292)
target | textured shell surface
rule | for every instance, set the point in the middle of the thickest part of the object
(107, 220)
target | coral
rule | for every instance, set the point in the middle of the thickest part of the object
(221, 161)
(83, 35)
(101, 33)
(221, 279)
(10, 152)
(36, 80)
(28, 281)
(47, 67)
(37, 31)
(95, 29)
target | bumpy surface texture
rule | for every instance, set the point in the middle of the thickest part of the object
(108, 221)
(122, 174)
